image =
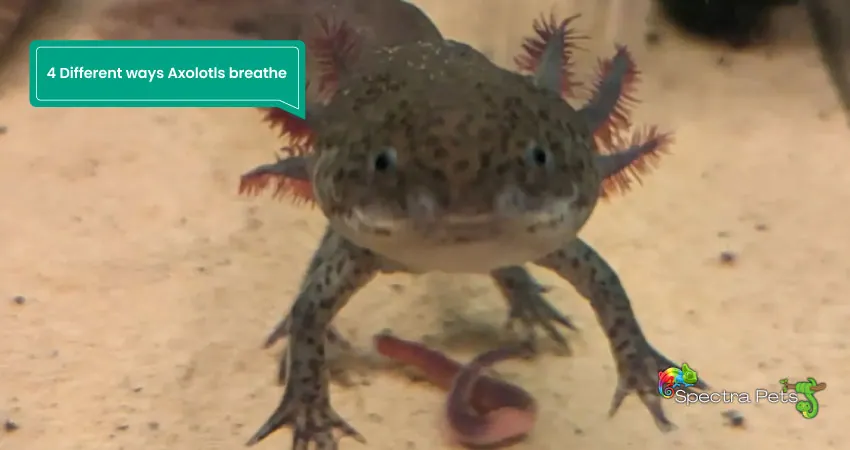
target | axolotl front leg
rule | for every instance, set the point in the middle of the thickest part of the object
(638, 363)
(335, 342)
(338, 270)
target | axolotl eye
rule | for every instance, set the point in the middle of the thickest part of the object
(538, 156)
(384, 160)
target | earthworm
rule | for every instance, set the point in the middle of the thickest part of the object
(480, 410)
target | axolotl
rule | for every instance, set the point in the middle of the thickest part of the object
(427, 157)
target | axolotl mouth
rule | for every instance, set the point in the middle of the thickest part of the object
(513, 228)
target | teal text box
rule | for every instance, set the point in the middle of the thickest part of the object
(168, 74)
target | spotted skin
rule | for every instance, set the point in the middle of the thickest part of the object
(431, 158)
(338, 270)
(479, 177)
(637, 361)
(327, 250)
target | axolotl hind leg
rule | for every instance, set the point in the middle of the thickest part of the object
(528, 307)
(338, 270)
(638, 363)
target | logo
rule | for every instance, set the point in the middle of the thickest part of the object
(675, 378)
(675, 381)
(807, 405)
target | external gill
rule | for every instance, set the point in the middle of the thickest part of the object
(290, 174)
(622, 159)
(297, 130)
(636, 158)
(334, 49)
(548, 55)
(608, 110)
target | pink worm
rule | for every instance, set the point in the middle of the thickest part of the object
(480, 410)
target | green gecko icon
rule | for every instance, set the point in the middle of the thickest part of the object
(809, 407)
(689, 375)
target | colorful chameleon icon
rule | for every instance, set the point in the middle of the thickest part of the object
(672, 378)
(809, 407)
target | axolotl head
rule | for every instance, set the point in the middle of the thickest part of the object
(435, 157)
